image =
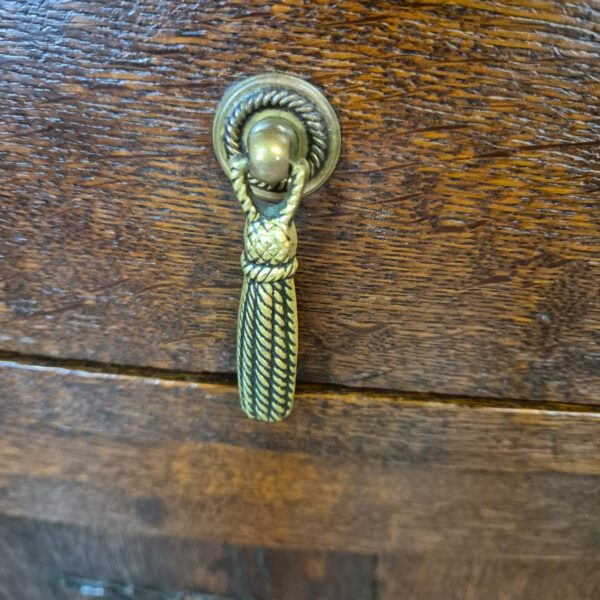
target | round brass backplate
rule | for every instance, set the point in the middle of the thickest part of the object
(291, 98)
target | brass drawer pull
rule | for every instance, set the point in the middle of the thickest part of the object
(278, 139)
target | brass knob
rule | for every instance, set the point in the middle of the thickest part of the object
(277, 106)
(272, 144)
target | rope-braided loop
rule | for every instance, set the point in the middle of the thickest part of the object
(283, 99)
(268, 256)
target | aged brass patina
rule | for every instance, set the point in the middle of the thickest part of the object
(278, 139)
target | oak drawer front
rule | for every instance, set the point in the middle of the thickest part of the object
(455, 249)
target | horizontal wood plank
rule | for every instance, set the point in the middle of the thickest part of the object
(456, 248)
(350, 472)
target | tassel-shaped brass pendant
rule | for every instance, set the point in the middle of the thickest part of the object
(277, 138)
(267, 340)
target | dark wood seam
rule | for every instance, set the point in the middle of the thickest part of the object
(31, 361)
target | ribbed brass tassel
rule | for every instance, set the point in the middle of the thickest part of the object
(267, 341)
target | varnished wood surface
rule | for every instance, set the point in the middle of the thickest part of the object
(456, 249)
(351, 472)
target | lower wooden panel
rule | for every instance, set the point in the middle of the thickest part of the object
(50, 561)
(349, 472)
(42, 561)
(469, 577)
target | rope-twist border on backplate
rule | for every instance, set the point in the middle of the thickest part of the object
(284, 99)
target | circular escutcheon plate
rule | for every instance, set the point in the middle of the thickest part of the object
(241, 99)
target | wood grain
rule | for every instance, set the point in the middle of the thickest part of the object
(456, 249)
(352, 472)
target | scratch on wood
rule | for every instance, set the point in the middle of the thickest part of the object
(537, 147)
(56, 311)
